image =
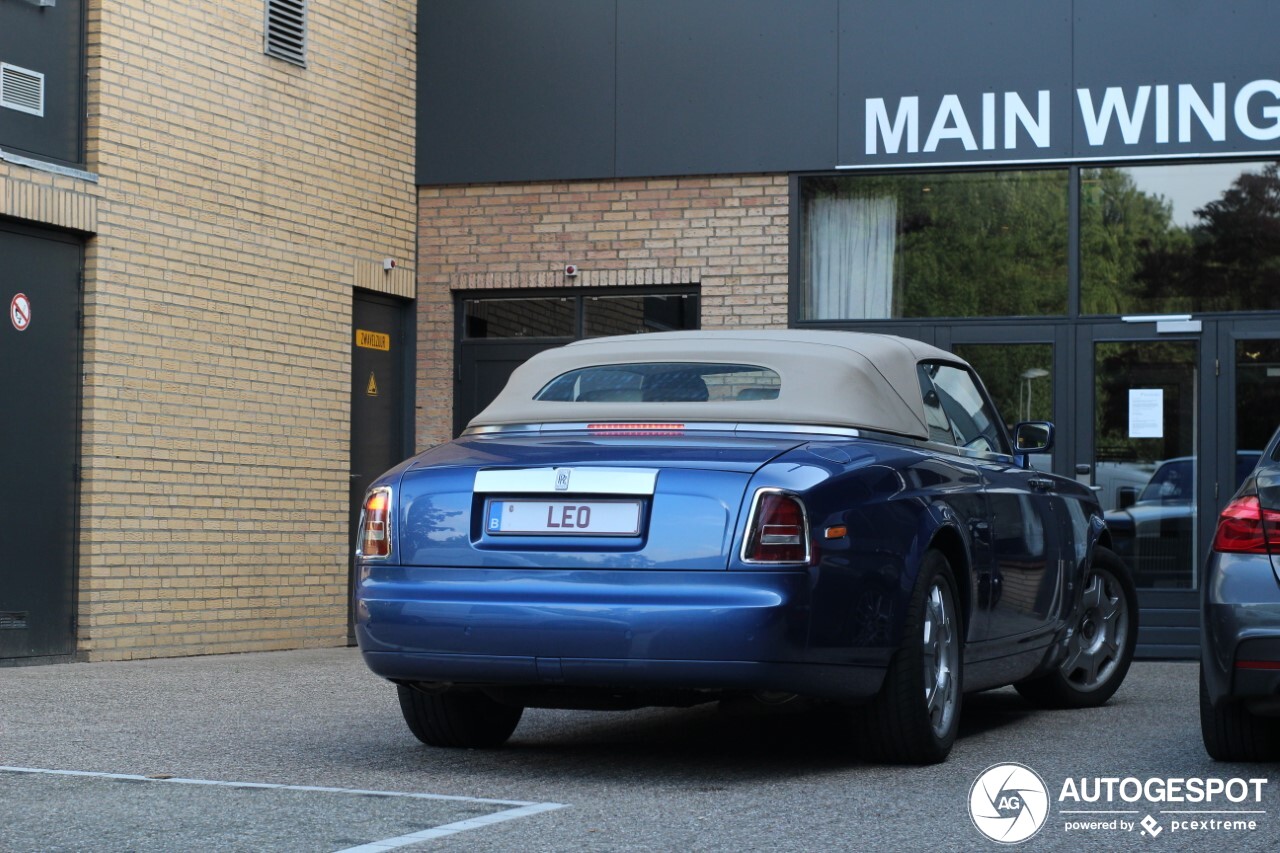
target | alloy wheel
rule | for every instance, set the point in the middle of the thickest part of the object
(941, 649)
(1095, 648)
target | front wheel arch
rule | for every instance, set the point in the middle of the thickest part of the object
(1103, 633)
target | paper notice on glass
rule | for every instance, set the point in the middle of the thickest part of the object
(1146, 413)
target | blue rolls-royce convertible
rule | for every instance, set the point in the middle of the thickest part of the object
(751, 517)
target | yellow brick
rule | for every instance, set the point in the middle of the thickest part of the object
(238, 201)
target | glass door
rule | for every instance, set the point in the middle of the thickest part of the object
(1250, 366)
(1145, 436)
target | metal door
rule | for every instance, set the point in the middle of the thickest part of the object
(39, 432)
(381, 427)
(484, 369)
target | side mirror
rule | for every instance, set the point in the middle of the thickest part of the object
(1033, 437)
(1126, 496)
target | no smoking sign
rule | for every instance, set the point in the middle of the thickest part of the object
(20, 312)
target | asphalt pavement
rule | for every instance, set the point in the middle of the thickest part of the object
(306, 751)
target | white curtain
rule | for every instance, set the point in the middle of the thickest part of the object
(849, 248)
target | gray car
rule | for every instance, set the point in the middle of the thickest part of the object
(1152, 530)
(1240, 659)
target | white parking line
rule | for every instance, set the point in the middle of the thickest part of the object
(519, 808)
(451, 828)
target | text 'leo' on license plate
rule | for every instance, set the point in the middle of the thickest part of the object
(559, 518)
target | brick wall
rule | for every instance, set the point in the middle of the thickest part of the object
(239, 200)
(727, 234)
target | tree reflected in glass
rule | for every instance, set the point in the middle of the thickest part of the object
(1137, 259)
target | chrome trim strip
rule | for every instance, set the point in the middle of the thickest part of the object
(701, 426)
(581, 480)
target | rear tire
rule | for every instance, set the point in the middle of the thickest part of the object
(916, 715)
(1101, 645)
(1232, 733)
(457, 718)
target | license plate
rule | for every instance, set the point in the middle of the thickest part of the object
(564, 518)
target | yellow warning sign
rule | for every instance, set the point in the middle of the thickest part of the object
(373, 340)
(372, 388)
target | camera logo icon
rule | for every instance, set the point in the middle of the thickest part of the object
(1008, 803)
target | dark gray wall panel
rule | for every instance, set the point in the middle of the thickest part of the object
(515, 90)
(1172, 43)
(928, 49)
(725, 86)
(524, 90)
(48, 40)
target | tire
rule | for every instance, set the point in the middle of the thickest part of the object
(1101, 644)
(915, 716)
(1231, 733)
(457, 718)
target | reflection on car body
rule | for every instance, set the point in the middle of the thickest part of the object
(745, 516)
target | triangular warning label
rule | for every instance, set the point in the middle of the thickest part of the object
(372, 388)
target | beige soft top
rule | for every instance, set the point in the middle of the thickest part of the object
(829, 378)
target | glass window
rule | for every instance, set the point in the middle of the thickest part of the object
(663, 382)
(1019, 378)
(1180, 238)
(625, 315)
(972, 419)
(977, 244)
(551, 317)
(1257, 400)
(934, 416)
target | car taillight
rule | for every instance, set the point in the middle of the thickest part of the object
(1244, 527)
(375, 524)
(778, 531)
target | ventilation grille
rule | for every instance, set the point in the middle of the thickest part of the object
(13, 620)
(287, 30)
(21, 89)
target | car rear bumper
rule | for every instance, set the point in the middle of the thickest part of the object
(827, 681)
(610, 629)
(1241, 631)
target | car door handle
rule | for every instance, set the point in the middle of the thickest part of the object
(1041, 484)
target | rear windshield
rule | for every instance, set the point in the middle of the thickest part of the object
(1172, 483)
(663, 382)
